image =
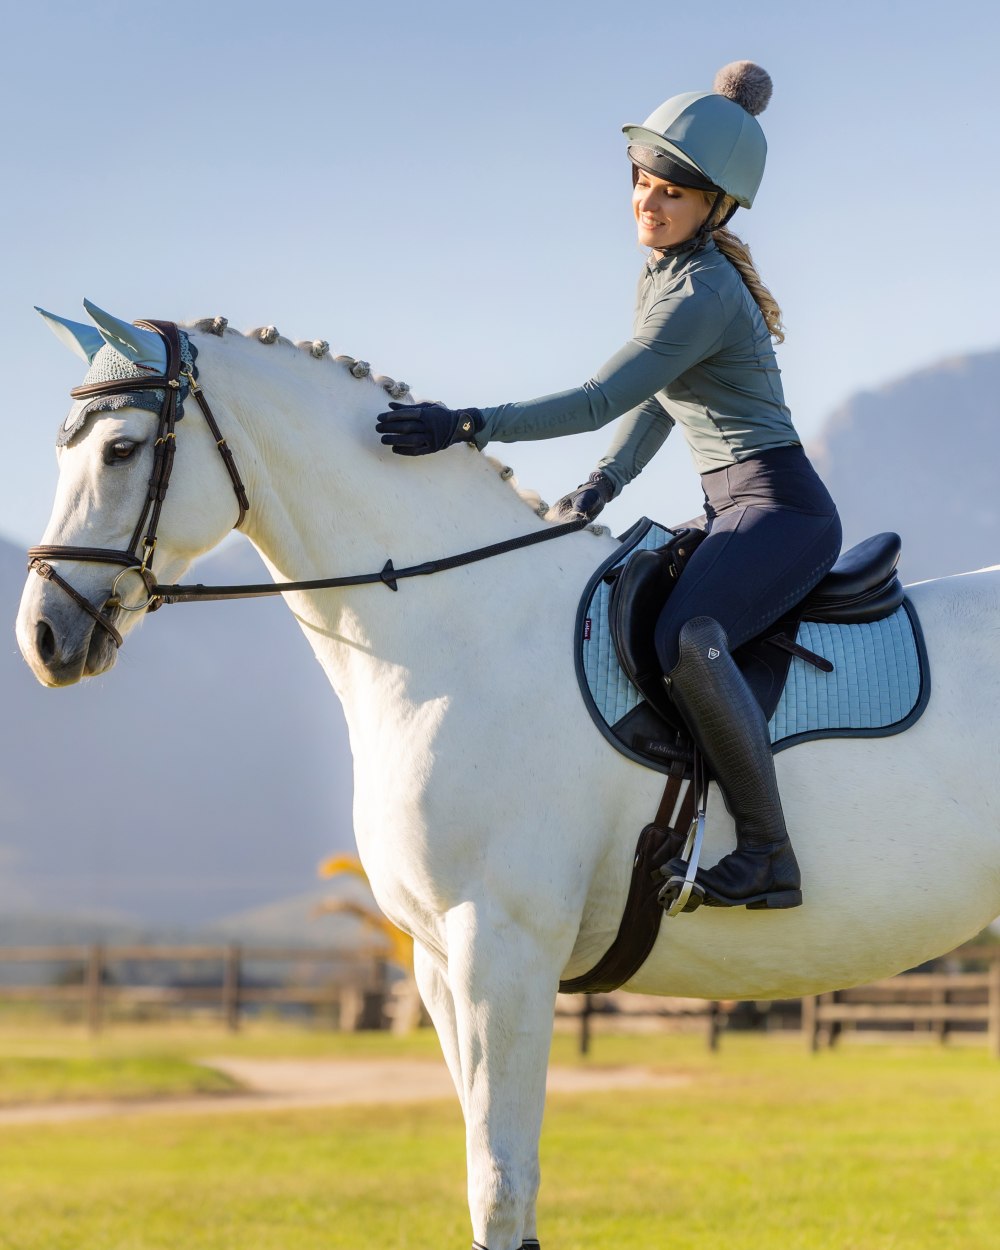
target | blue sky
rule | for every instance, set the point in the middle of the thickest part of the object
(443, 190)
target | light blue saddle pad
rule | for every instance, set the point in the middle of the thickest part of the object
(880, 683)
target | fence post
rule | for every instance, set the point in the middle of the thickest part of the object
(835, 1027)
(95, 976)
(994, 999)
(380, 995)
(351, 1003)
(231, 987)
(939, 998)
(586, 1011)
(810, 1028)
(714, 1025)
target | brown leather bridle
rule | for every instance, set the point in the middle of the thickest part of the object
(159, 479)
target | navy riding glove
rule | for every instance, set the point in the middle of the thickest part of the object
(419, 429)
(589, 498)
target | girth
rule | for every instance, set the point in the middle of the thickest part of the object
(658, 842)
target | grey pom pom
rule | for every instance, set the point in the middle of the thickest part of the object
(746, 83)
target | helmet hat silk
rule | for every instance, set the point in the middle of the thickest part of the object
(713, 137)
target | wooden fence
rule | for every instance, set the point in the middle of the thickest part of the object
(707, 1015)
(354, 988)
(935, 1002)
(353, 985)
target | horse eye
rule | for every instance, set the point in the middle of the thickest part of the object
(121, 449)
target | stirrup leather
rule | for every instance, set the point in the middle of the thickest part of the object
(684, 893)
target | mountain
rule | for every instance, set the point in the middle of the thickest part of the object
(920, 456)
(323, 914)
(207, 774)
(333, 914)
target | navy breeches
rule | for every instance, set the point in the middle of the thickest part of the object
(773, 534)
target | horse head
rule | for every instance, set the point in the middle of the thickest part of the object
(114, 528)
(327, 496)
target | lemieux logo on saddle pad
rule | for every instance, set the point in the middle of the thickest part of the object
(879, 684)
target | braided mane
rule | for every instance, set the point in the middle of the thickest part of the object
(361, 369)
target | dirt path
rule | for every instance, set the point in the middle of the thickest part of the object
(284, 1084)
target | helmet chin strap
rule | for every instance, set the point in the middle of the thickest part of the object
(704, 232)
(725, 220)
(709, 226)
(706, 227)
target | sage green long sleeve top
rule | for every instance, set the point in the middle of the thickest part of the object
(700, 357)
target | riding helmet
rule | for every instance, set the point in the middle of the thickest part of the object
(710, 140)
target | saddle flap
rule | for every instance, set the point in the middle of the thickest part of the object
(638, 593)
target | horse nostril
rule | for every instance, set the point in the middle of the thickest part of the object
(45, 641)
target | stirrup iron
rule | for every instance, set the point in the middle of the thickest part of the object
(683, 893)
(683, 888)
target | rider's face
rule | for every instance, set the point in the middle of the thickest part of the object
(665, 213)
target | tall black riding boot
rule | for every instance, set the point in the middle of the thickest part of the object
(729, 727)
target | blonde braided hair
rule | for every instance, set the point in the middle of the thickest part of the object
(736, 251)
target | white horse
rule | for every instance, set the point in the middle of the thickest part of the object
(496, 824)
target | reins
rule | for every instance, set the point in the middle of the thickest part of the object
(387, 575)
(159, 479)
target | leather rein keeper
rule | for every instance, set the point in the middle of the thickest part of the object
(159, 479)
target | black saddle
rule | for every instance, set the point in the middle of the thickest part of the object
(861, 586)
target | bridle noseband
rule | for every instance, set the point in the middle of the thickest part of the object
(159, 479)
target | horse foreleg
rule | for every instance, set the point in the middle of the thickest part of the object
(432, 982)
(504, 985)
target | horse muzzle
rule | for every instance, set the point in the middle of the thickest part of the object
(60, 642)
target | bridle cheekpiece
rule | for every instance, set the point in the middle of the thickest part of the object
(138, 556)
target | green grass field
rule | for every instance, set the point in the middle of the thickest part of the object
(41, 1079)
(50, 1062)
(870, 1147)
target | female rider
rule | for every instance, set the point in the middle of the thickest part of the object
(701, 358)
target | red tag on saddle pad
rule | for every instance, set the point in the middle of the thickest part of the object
(586, 629)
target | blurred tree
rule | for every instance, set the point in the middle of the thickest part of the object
(400, 944)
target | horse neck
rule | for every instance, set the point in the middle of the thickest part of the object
(327, 500)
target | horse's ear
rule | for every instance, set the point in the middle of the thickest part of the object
(143, 347)
(82, 339)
